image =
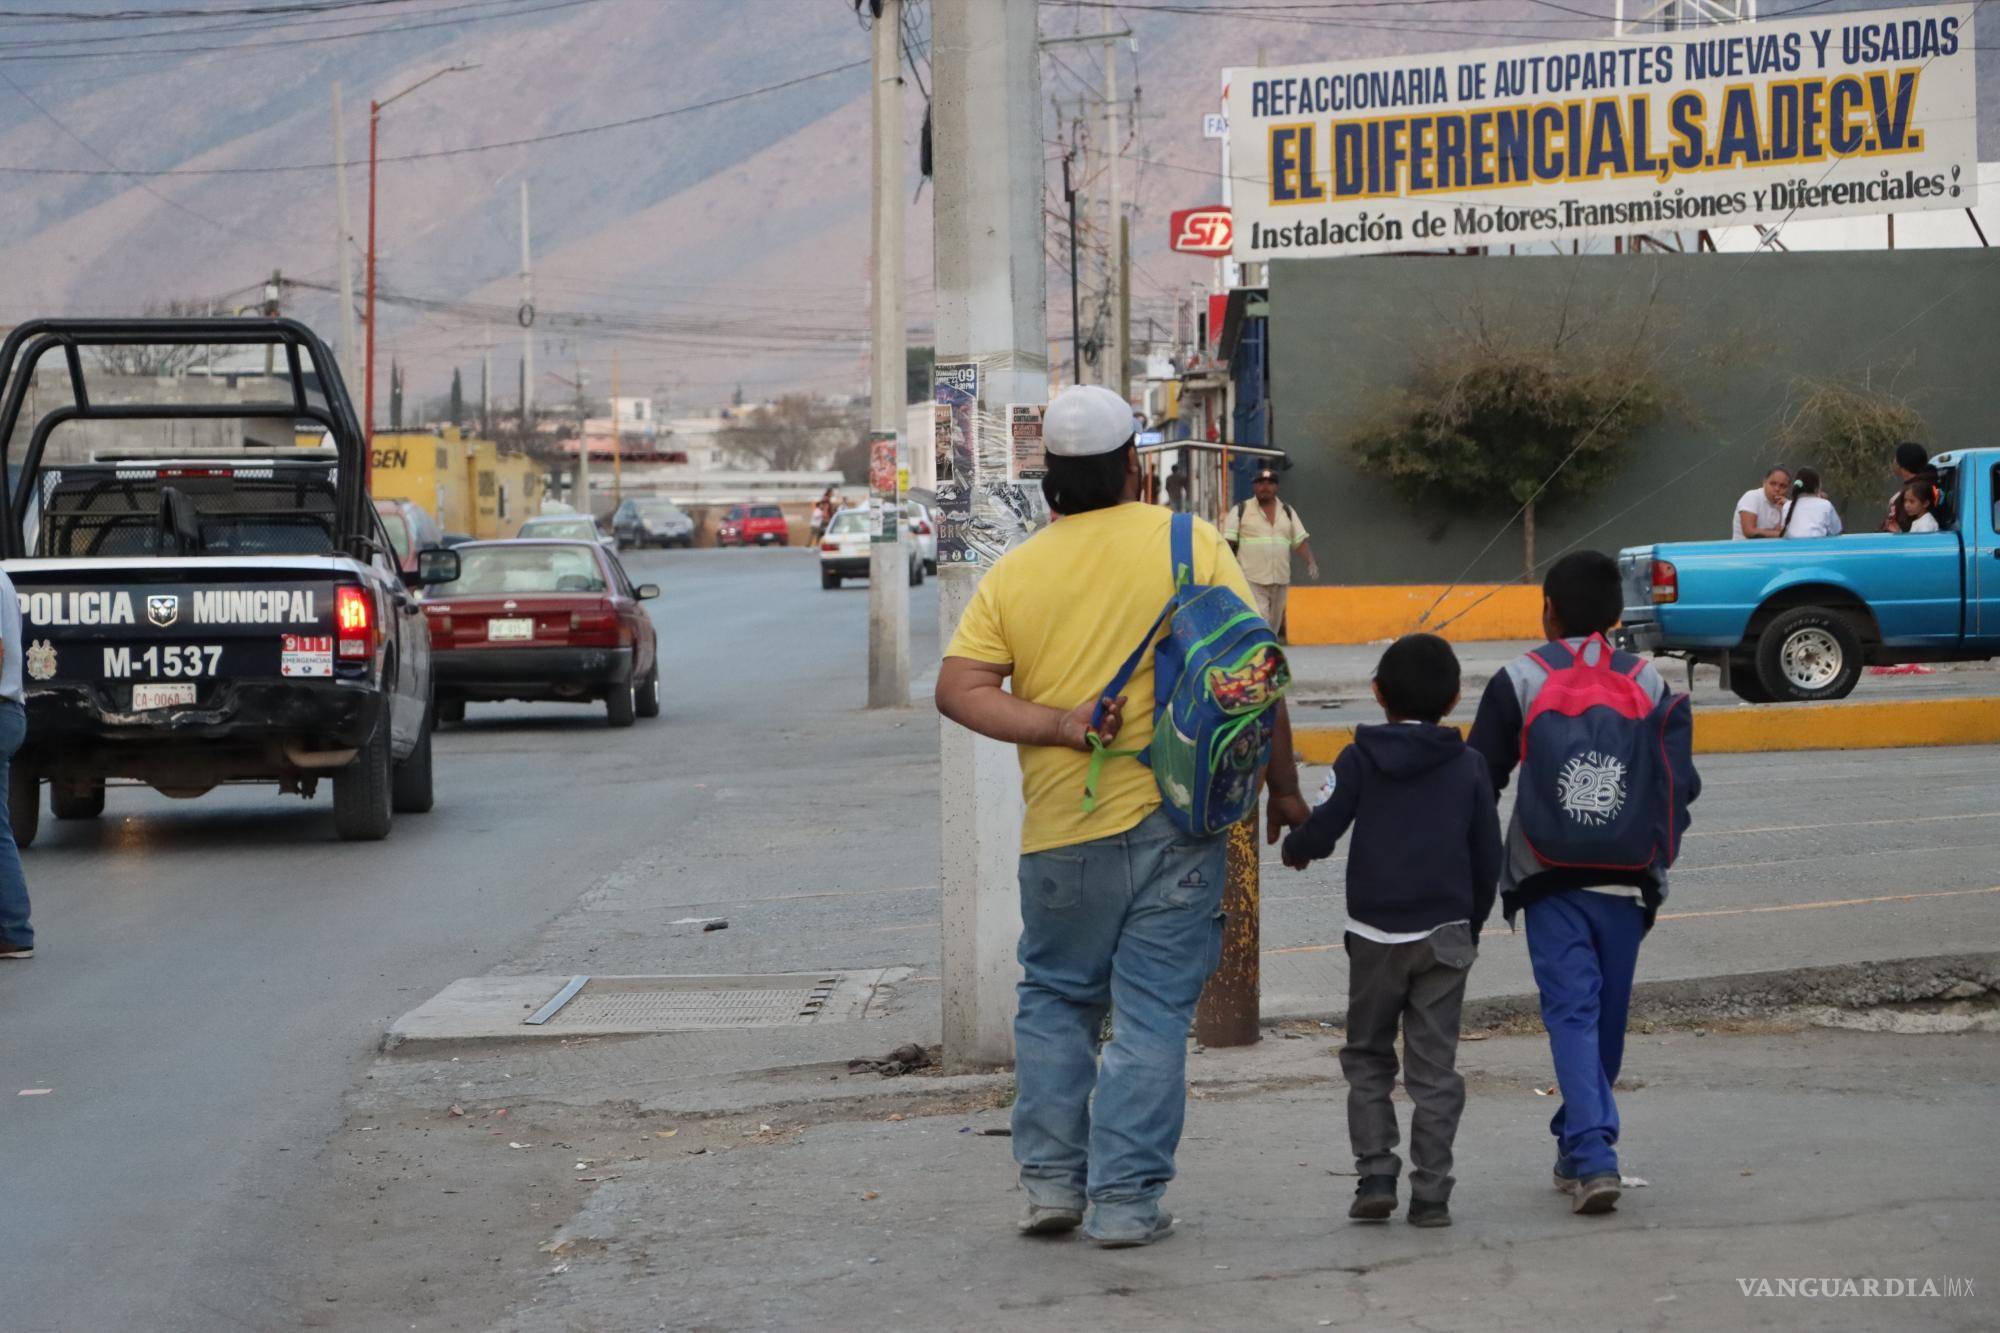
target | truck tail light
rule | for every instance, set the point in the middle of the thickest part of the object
(1666, 583)
(354, 623)
(829, 546)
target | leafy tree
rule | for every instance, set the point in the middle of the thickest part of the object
(1847, 429)
(395, 397)
(1496, 419)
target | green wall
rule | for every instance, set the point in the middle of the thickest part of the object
(1736, 333)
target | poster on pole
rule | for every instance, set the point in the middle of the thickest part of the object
(1026, 459)
(1830, 115)
(955, 395)
(883, 448)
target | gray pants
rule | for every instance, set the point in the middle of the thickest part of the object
(1421, 987)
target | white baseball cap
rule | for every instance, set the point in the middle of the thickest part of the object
(1086, 420)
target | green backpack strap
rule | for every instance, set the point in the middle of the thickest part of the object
(1181, 557)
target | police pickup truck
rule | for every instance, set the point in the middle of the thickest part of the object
(195, 619)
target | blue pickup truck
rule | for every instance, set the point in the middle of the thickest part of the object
(1798, 620)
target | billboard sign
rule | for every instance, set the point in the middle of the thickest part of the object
(1200, 231)
(1831, 115)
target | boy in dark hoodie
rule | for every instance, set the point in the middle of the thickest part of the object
(1420, 881)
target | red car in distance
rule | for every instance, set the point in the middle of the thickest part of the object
(544, 621)
(410, 529)
(753, 525)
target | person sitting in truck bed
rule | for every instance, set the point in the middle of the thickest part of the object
(1914, 508)
(1913, 468)
(1761, 511)
(1811, 514)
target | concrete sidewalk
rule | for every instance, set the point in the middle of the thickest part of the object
(1768, 1156)
(1334, 679)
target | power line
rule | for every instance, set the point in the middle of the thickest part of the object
(433, 154)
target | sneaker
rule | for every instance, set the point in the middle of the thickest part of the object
(1564, 1184)
(1163, 1226)
(8, 949)
(1430, 1213)
(1045, 1220)
(1374, 1199)
(1597, 1194)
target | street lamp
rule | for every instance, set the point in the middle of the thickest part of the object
(368, 370)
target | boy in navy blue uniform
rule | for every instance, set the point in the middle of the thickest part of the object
(1584, 925)
(1420, 883)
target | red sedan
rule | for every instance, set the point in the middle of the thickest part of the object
(543, 620)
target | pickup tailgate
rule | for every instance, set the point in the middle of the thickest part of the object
(158, 634)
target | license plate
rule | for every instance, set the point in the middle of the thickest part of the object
(519, 628)
(145, 697)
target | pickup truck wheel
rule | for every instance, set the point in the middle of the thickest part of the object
(24, 804)
(648, 703)
(828, 580)
(410, 788)
(621, 706)
(1744, 681)
(361, 792)
(82, 799)
(1809, 653)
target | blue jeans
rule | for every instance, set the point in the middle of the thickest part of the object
(1584, 947)
(14, 928)
(1130, 925)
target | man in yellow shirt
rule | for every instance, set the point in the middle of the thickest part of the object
(1264, 531)
(1120, 911)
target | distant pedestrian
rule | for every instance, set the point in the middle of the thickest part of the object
(1421, 871)
(1761, 511)
(1811, 514)
(1264, 532)
(823, 510)
(1120, 910)
(17, 937)
(1177, 488)
(1622, 794)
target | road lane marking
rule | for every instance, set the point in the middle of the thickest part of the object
(1738, 911)
(798, 897)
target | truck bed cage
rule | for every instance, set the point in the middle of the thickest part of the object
(28, 344)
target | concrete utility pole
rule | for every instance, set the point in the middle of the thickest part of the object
(1113, 375)
(343, 240)
(526, 318)
(991, 310)
(888, 564)
(582, 496)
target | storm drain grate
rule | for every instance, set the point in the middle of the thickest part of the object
(611, 1005)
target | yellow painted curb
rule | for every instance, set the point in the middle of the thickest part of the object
(1889, 725)
(1363, 614)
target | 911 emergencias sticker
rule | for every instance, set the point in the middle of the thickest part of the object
(306, 655)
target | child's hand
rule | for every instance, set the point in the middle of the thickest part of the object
(1294, 862)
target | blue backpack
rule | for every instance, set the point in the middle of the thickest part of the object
(1218, 674)
(1607, 773)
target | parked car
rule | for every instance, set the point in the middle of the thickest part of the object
(567, 527)
(1796, 620)
(544, 620)
(411, 529)
(843, 550)
(652, 521)
(923, 532)
(753, 525)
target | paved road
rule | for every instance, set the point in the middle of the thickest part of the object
(213, 975)
(216, 973)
